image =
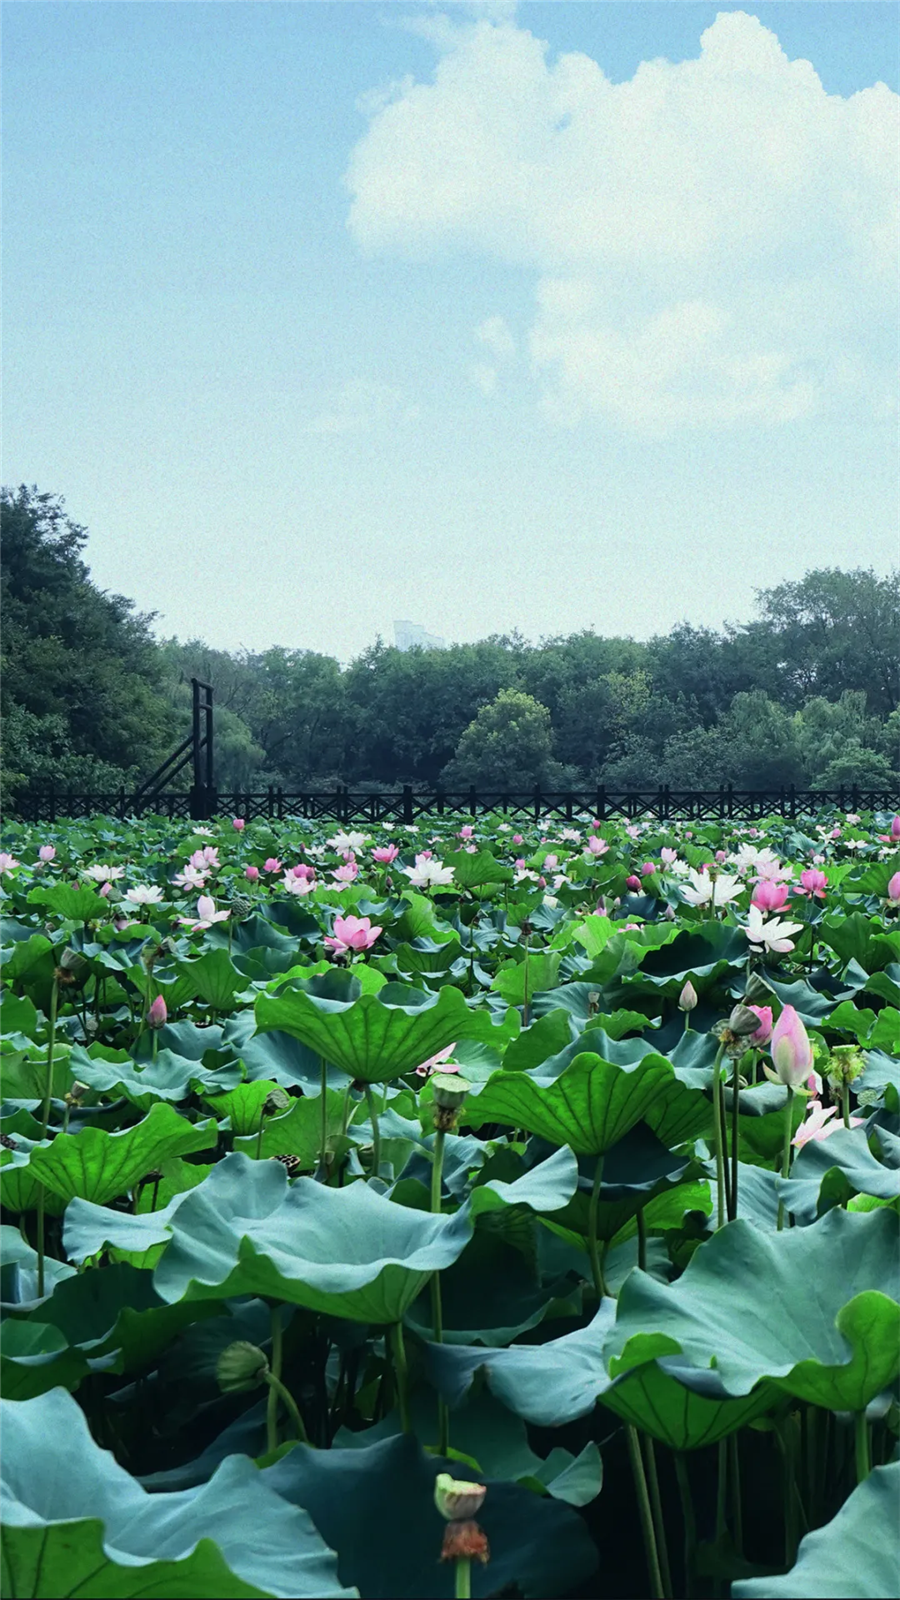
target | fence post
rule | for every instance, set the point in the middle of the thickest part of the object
(667, 803)
(439, 802)
(407, 803)
(601, 803)
(537, 802)
(793, 803)
(854, 795)
(568, 808)
(473, 800)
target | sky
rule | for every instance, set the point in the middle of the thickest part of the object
(489, 316)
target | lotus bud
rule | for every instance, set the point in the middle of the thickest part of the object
(251, 873)
(238, 824)
(71, 966)
(893, 889)
(792, 1054)
(240, 1367)
(632, 882)
(276, 1100)
(687, 999)
(457, 1500)
(158, 1014)
(895, 828)
(764, 1032)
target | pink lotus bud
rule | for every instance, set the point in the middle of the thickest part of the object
(792, 1054)
(550, 862)
(238, 824)
(542, 883)
(105, 890)
(721, 855)
(385, 854)
(252, 873)
(632, 882)
(895, 828)
(769, 895)
(813, 882)
(764, 1032)
(158, 1014)
(466, 831)
(47, 852)
(519, 862)
(893, 889)
(517, 838)
(271, 864)
(687, 999)
(648, 868)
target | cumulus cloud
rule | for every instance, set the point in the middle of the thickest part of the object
(713, 241)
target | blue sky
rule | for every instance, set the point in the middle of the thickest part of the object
(545, 316)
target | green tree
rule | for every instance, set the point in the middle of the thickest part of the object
(508, 746)
(836, 631)
(81, 691)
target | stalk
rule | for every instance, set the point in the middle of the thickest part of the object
(735, 1141)
(658, 1523)
(376, 1132)
(642, 1239)
(40, 1241)
(274, 1379)
(717, 1124)
(437, 1314)
(463, 1587)
(786, 1152)
(689, 1520)
(51, 1045)
(737, 1513)
(525, 1006)
(646, 1515)
(401, 1374)
(845, 1104)
(323, 1092)
(593, 1248)
(863, 1456)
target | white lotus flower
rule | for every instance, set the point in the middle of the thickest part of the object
(347, 841)
(103, 874)
(428, 874)
(774, 934)
(704, 889)
(143, 894)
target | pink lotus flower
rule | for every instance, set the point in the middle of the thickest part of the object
(893, 889)
(206, 860)
(47, 852)
(347, 873)
(687, 999)
(769, 896)
(303, 871)
(632, 882)
(271, 864)
(668, 856)
(158, 1014)
(294, 885)
(351, 933)
(238, 824)
(252, 873)
(384, 854)
(517, 838)
(206, 915)
(721, 855)
(7, 862)
(817, 1124)
(648, 868)
(439, 1063)
(792, 1055)
(894, 836)
(813, 882)
(764, 1032)
(466, 831)
(550, 862)
(596, 846)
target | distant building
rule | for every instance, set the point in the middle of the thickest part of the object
(408, 635)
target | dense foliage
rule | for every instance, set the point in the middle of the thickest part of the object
(565, 1161)
(806, 694)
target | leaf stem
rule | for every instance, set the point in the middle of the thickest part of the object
(51, 1045)
(274, 1381)
(735, 1141)
(376, 1132)
(40, 1241)
(845, 1104)
(401, 1374)
(593, 1247)
(646, 1515)
(323, 1147)
(863, 1457)
(658, 1522)
(689, 1520)
(717, 1125)
(437, 1314)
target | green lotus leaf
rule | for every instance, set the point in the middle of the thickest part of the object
(546, 1384)
(298, 1132)
(373, 1041)
(593, 1103)
(496, 1290)
(75, 905)
(90, 1228)
(23, 1073)
(541, 974)
(543, 1038)
(347, 1252)
(213, 977)
(18, 1272)
(827, 1172)
(539, 1546)
(99, 1166)
(242, 1105)
(682, 1408)
(35, 1358)
(169, 1077)
(854, 1557)
(811, 1309)
(476, 870)
(76, 1523)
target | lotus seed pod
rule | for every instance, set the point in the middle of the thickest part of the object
(449, 1091)
(457, 1500)
(743, 1021)
(276, 1100)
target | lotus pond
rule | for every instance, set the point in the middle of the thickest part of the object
(500, 1209)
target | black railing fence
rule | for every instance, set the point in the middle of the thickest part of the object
(203, 800)
(408, 804)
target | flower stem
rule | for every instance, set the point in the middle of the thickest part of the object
(463, 1588)
(642, 1239)
(863, 1458)
(437, 1314)
(735, 1141)
(845, 1104)
(259, 1136)
(323, 1148)
(656, 1507)
(646, 1515)
(40, 1241)
(689, 1520)
(376, 1132)
(593, 1247)
(278, 1388)
(51, 1045)
(736, 1508)
(274, 1381)
(786, 1152)
(717, 1125)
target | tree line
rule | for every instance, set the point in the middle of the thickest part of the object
(807, 692)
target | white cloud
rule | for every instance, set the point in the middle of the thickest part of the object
(494, 333)
(714, 241)
(484, 377)
(361, 406)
